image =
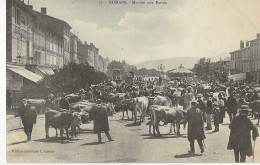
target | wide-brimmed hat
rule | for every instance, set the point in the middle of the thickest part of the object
(199, 95)
(244, 108)
(193, 101)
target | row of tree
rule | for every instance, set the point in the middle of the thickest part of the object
(124, 67)
(211, 71)
(71, 78)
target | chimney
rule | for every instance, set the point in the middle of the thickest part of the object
(30, 6)
(85, 43)
(258, 35)
(242, 44)
(43, 10)
(247, 43)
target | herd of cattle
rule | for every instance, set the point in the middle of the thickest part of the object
(158, 109)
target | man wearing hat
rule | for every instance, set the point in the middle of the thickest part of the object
(240, 135)
(232, 106)
(194, 117)
(216, 114)
(99, 115)
(64, 102)
(89, 94)
(209, 110)
(28, 116)
(202, 106)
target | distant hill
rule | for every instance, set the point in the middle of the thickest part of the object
(170, 63)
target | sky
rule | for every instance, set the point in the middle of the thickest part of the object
(138, 33)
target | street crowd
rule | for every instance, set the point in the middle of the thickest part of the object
(201, 102)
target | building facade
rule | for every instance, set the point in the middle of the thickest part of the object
(73, 48)
(82, 50)
(247, 59)
(37, 44)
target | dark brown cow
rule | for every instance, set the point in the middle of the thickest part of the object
(125, 105)
(255, 106)
(59, 120)
(167, 115)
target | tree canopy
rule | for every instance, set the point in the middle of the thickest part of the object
(72, 77)
(211, 71)
(147, 72)
(122, 66)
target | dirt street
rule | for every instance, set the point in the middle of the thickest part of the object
(132, 144)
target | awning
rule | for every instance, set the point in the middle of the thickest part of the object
(48, 71)
(24, 73)
(237, 77)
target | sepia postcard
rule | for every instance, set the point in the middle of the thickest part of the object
(132, 81)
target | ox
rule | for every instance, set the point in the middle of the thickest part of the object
(39, 104)
(141, 106)
(60, 120)
(125, 105)
(164, 101)
(255, 106)
(116, 98)
(167, 115)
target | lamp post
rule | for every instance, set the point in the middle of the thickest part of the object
(161, 68)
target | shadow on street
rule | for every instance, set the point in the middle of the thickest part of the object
(86, 131)
(163, 137)
(15, 129)
(18, 142)
(132, 124)
(56, 140)
(187, 155)
(92, 143)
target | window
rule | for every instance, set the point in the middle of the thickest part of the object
(28, 48)
(27, 20)
(51, 59)
(18, 15)
(58, 45)
(54, 60)
(38, 57)
(48, 59)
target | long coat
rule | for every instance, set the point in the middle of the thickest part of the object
(64, 103)
(194, 117)
(209, 105)
(240, 135)
(28, 115)
(231, 105)
(99, 115)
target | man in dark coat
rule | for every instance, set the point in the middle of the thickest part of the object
(89, 94)
(232, 106)
(240, 135)
(64, 102)
(194, 117)
(209, 111)
(202, 106)
(28, 115)
(99, 115)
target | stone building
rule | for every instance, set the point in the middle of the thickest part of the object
(246, 60)
(90, 54)
(73, 48)
(54, 42)
(82, 50)
(37, 44)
